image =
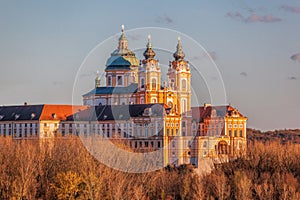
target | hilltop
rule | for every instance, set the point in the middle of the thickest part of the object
(285, 136)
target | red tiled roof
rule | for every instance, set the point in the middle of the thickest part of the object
(59, 112)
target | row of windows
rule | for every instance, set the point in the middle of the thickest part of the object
(119, 80)
(145, 144)
(154, 84)
(172, 132)
(235, 133)
(26, 134)
(15, 134)
(125, 125)
(17, 124)
(235, 125)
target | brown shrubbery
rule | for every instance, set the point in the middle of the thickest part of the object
(32, 169)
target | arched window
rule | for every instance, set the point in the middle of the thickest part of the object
(142, 83)
(222, 147)
(172, 83)
(153, 84)
(183, 85)
(142, 100)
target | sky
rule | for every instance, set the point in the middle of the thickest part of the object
(254, 44)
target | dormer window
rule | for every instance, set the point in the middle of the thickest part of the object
(17, 116)
(32, 115)
(53, 115)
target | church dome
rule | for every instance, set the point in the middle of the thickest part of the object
(122, 57)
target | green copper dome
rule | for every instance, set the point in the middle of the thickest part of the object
(122, 56)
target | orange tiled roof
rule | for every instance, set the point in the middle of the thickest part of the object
(59, 112)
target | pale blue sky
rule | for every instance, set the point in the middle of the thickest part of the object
(43, 43)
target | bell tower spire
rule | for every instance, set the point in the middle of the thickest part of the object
(149, 77)
(179, 75)
(179, 54)
(149, 53)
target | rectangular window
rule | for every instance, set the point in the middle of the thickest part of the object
(241, 133)
(230, 133)
(158, 144)
(109, 80)
(235, 133)
(119, 80)
(146, 132)
(183, 124)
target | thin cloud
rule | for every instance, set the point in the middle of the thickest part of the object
(293, 78)
(296, 57)
(210, 54)
(165, 19)
(253, 18)
(244, 74)
(235, 15)
(292, 9)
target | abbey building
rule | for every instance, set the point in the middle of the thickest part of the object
(136, 108)
(187, 133)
